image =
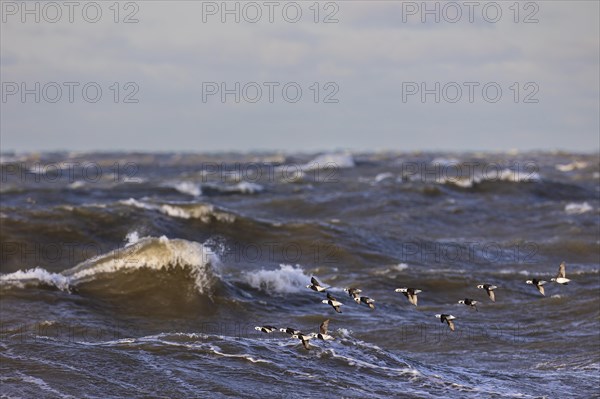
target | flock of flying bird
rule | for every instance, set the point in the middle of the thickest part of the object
(409, 293)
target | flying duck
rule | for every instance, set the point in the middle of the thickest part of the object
(410, 293)
(335, 304)
(366, 300)
(315, 285)
(538, 284)
(353, 292)
(323, 331)
(447, 318)
(266, 329)
(304, 339)
(489, 288)
(561, 277)
(469, 302)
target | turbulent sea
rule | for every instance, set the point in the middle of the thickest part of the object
(144, 275)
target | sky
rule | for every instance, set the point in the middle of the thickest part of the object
(204, 76)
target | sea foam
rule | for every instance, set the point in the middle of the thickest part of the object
(287, 279)
(577, 209)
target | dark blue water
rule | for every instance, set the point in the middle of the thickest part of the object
(144, 275)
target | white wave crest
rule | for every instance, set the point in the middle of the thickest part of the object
(77, 184)
(146, 253)
(335, 160)
(243, 187)
(518, 176)
(287, 279)
(383, 176)
(37, 276)
(187, 187)
(248, 187)
(577, 209)
(391, 269)
(445, 161)
(132, 237)
(569, 167)
(204, 212)
(508, 175)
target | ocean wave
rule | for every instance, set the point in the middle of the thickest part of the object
(327, 163)
(569, 167)
(338, 160)
(36, 276)
(383, 176)
(287, 279)
(243, 187)
(42, 385)
(186, 187)
(392, 269)
(445, 161)
(132, 237)
(204, 212)
(218, 351)
(578, 208)
(151, 253)
(504, 175)
(77, 184)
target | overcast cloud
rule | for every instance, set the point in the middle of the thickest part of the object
(368, 61)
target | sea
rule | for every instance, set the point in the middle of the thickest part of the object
(144, 275)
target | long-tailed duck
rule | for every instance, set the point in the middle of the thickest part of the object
(410, 293)
(366, 300)
(539, 284)
(561, 277)
(315, 285)
(489, 288)
(265, 329)
(469, 302)
(335, 304)
(447, 318)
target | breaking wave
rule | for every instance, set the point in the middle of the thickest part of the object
(148, 253)
(204, 212)
(287, 279)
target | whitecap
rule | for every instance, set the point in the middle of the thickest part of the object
(42, 385)
(331, 160)
(132, 237)
(77, 184)
(445, 161)
(204, 212)
(245, 187)
(38, 275)
(577, 209)
(569, 167)
(518, 176)
(287, 279)
(146, 253)
(383, 176)
(187, 187)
